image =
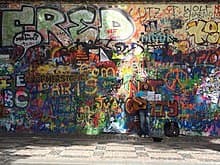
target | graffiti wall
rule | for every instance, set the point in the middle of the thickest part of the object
(67, 68)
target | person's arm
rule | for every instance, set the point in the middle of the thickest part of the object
(139, 100)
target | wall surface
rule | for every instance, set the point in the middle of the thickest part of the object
(69, 67)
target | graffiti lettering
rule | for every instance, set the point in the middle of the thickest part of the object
(54, 78)
(217, 11)
(88, 15)
(5, 82)
(157, 38)
(92, 86)
(61, 89)
(21, 99)
(27, 40)
(48, 21)
(117, 20)
(197, 12)
(51, 21)
(20, 82)
(143, 13)
(15, 21)
(159, 108)
(204, 32)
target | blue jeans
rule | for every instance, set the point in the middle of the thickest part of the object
(144, 122)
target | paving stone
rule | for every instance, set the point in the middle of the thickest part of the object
(80, 147)
(159, 149)
(55, 152)
(9, 151)
(100, 147)
(86, 148)
(31, 152)
(120, 148)
(98, 153)
(36, 147)
(14, 140)
(113, 144)
(215, 141)
(186, 156)
(209, 150)
(176, 146)
(76, 153)
(118, 154)
(206, 157)
(9, 145)
(197, 151)
(49, 142)
(142, 154)
(164, 155)
(139, 148)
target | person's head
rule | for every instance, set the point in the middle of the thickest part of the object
(145, 86)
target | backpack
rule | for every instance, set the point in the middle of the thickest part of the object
(171, 129)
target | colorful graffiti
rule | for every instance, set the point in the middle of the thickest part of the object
(67, 68)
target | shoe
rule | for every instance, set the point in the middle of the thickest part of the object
(140, 135)
(146, 136)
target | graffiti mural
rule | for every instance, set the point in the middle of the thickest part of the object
(67, 68)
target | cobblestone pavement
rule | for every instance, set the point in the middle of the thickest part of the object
(107, 149)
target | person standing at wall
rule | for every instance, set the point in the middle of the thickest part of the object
(143, 110)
